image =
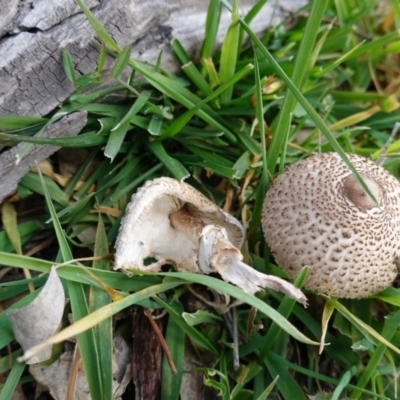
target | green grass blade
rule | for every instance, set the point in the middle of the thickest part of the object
(98, 28)
(331, 66)
(179, 51)
(396, 9)
(135, 108)
(10, 224)
(175, 338)
(136, 182)
(392, 324)
(261, 127)
(192, 332)
(33, 182)
(115, 140)
(68, 65)
(79, 327)
(86, 340)
(75, 273)
(285, 309)
(190, 69)
(375, 45)
(122, 61)
(286, 384)
(6, 331)
(72, 183)
(183, 96)
(11, 122)
(177, 170)
(7, 362)
(268, 389)
(344, 381)
(198, 80)
(98, 298)
(247, 298)
(87, 139)
(162, 83)
(177, 125)
(300, 70)
(306, 105)
(229, 53)
(155, 125)
(211, 29)
(390, 295)
(102, 58)
(12, 381)
(364, 328)
(323, 378)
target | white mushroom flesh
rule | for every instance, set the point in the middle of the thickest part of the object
(175, 224)
(154, 226)
(317, 214)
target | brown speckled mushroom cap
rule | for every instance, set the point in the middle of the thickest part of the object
(317, 214)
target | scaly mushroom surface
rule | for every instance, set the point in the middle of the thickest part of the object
(175, 224)
(317, 214)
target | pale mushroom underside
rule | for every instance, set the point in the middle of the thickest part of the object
(146, 230)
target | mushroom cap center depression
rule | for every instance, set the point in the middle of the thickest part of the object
(353, 190)
(317, 214)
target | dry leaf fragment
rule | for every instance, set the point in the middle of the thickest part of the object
(175, 224)
(40, 319)
(55, 377)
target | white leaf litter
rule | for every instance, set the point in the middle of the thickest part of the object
(175, 224)
(55, 377)
(40, 319)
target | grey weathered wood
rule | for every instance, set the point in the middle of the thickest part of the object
(12, 173)
(33, 34)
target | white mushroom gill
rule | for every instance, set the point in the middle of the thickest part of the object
(175, 224)
(316, 213)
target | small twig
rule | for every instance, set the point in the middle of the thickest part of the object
(162, 341)
(251, 325)
(231, 323)
(380, 161)
(236, 363)
(39, 247)
(73, 373)
(77, 260)
(4, 271)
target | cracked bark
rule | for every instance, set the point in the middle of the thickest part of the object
(33, 34)
(12, 173)
(146, 356)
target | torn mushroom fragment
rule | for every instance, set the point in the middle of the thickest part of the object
(317, 214)
(175, 224)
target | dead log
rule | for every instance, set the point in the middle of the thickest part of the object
(33, 34)
(13, 170)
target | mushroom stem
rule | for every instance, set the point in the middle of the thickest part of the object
(217, 254)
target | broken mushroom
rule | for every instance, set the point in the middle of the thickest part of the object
(317, 214)
(173, 223)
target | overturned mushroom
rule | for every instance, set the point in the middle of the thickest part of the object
(317, 214)
(175, 224)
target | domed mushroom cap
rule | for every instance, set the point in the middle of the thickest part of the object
(316, 213)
